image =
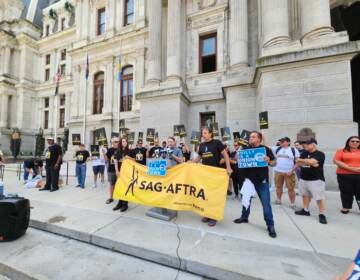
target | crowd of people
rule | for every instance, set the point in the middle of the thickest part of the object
(300, 165)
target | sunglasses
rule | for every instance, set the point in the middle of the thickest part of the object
(355, 141)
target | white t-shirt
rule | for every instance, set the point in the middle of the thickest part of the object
(98, 161)
(285, 159)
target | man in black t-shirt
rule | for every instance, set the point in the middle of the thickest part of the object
(110, 158)
(53, 160)
(155, 151)
(312, 181)
(210, 151)
(139, 153)
(82, 155)
(259, 176)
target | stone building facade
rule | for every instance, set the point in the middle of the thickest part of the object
(181, 62)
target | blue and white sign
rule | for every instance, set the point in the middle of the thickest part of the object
(157, 167)
(250, 158)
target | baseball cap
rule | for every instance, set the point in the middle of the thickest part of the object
(287, 139)
(311, 141)
(50, 138)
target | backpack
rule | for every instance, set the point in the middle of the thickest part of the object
(292, 150)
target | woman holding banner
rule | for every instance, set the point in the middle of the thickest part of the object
(210, 151)
(120, 154)
(111, 166)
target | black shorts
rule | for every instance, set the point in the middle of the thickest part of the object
(99, 169)
(112, 178)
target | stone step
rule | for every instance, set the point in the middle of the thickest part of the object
(44, 256)
(208, 254)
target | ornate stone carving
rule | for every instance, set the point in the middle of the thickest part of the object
(203, 4)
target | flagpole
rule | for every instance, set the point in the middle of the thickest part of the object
(118, 76)
(55, 117)
(85, 102)
(56, 99)
(85, 109)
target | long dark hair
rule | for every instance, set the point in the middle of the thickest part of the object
(126, 150)
(347, 144)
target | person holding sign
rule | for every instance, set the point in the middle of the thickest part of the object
(170, 156)
(258, 173)
(210, 151)
(155, 151)
(120, 154)
(139, 153)
(110, 158)
(81, 156)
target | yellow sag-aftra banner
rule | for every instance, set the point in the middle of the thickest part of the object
(187, 186)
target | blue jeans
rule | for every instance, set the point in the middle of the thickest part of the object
(263, 190)
(81, 174)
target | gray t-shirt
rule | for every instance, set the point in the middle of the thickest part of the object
(176, 152)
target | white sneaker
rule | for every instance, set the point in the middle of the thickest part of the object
(278, 202)
(292, 206)
(94, 186)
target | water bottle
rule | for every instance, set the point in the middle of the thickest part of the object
(1, 189)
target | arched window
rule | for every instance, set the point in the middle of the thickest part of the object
(126, 89)
(98, 100)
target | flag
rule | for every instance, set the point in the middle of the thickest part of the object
(87, 68)
(119, 70)
(57, 80)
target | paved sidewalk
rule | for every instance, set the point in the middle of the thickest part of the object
(40, 255)
(304, 249)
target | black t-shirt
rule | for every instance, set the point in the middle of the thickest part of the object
(52, 154)
(38, 163)
(29, 163)
(258, 175)
(233, 156)
(82, 156)
(186, 155)
(119, 156)
(311, 173)
(223, 165)
(139, 154)
(301, 151)
(155, 151)
(111, 157)
(210, 152)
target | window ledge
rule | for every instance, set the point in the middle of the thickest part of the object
(206, 75)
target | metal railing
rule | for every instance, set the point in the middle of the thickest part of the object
(2, 171)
